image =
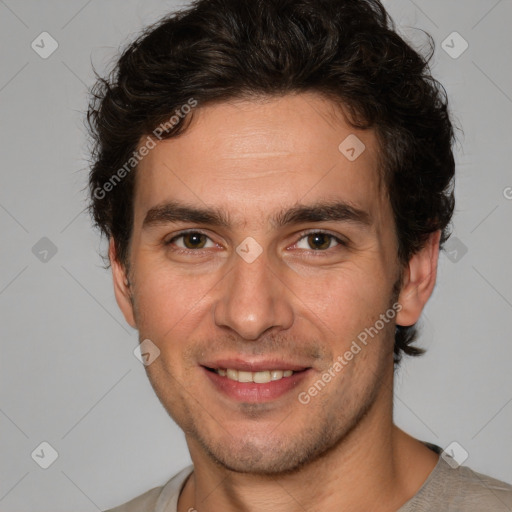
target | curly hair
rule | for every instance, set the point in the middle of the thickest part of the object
(217, 50)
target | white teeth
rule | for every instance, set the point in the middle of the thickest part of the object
(276, 374)
(261, 377)
(258, 377)
(245, 376)
(232, 374)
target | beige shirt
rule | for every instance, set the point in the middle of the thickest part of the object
(446, 489)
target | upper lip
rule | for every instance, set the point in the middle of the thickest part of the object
(254, 365)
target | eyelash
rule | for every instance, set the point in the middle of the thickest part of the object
(303, 235)
(325, 252)
(179, 250)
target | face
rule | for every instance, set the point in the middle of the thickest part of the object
(258, 247)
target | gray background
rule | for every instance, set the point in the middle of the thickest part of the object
(69, 376)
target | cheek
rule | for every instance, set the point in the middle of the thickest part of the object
(168, 301)
(346, 299)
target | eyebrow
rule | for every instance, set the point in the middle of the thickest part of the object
(334, 211)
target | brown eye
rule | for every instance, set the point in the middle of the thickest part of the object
(194, 240)
(191, 240)
(319, 241)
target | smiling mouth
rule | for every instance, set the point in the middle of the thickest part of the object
(261, 377)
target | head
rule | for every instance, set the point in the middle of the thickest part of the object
(275, 178)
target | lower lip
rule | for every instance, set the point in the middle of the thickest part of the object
(254, 392)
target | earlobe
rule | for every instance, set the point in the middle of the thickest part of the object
(122, 285)
(419, 280)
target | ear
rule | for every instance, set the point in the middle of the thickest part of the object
(418, 281)
(121, 285)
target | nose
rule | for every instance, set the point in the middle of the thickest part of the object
(253, 299)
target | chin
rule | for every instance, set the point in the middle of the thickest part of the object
(259, 456)
(256, 462)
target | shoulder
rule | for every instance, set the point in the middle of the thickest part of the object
(461, 488)
(158, 498)
(477, 491)
(144, 503)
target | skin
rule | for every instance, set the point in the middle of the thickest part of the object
(295, 301)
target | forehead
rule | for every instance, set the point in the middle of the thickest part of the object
(254, 155)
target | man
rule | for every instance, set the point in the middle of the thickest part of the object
(275, 178)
